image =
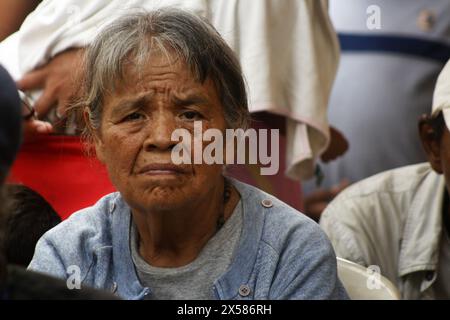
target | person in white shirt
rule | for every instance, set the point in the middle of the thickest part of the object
(399, 220)
(391, 55)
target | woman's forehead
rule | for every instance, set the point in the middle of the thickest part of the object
(155, 64)
(176, 84)
(158, 68)
(163, 73)
(177, 88)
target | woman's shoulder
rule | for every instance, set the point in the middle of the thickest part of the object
(83, 232)
(78, 241)
(282, 225)
(89, 222)
(291, 245)
(286, 227)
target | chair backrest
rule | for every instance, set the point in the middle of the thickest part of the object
(365, 283)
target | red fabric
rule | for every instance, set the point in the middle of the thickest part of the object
(57, 167)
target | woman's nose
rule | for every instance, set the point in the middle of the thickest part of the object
(159, 133)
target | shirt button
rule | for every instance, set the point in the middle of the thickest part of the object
(429, 275)
(244, 290)
(267, 203)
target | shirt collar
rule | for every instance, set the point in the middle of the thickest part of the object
(227, 286)
(244, 258)
(421, 235)
(128, 284)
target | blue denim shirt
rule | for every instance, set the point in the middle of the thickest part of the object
(281, 254)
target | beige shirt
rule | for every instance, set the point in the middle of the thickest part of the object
(441, 287)
(392, 220)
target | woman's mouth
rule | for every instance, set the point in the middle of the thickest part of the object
(158, 169)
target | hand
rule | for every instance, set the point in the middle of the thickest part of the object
(318, 200)
(32, 127)
(338, 146)
(57, 80)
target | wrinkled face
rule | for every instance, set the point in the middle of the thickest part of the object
(134, 140)
(437, 147)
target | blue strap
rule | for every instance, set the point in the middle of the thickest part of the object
(428, 49)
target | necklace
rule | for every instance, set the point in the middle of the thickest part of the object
(226, 197)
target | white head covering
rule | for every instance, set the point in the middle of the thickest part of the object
(441, 96)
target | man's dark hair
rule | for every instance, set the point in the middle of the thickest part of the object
(29, 217)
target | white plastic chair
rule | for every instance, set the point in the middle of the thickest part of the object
(363, 284)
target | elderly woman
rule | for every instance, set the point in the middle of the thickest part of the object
(178, 231)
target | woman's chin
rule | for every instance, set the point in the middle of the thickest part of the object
(159, 204)
(165, 197)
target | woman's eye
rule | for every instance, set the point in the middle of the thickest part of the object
(191, 115)
(133, 117)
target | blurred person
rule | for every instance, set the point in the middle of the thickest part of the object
(398, 222)
(16, 283)
(178, 231)
(288, 88)
(29, 217)
(391, 55)
(10, 139)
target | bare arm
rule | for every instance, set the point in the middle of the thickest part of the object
(13, 13)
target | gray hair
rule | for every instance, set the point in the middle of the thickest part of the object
(132, 39)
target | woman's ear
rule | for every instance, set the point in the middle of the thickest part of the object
(99, 150)
(96, 140)
(431, 143)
